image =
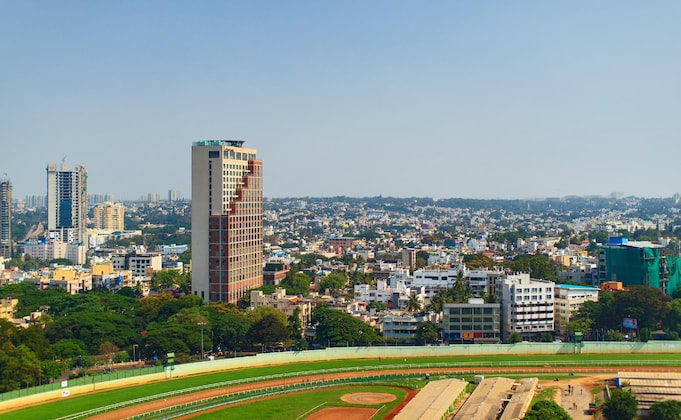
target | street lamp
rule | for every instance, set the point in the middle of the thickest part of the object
(202, 324)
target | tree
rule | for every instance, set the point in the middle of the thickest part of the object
(379, 306)
(19, 367)
(333, 282)
(69, 348)
(337, 329)
(461, 290)
(421, 259)
(646, 304)
(268, 326)
(613, 335)
(229, 328)
(168, 279)
(645, 335)
(673, 318)
(295, 326)
(475, 261)
(622, 405)
(130, 292)
(51, 369)
(413, 303)
(92, 329)
(547, 410)
(426, 333)
(60, 261)
(296, 284)
(516, 337)
(538, 266)
(665, 410)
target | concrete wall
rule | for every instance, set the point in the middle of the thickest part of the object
(471, 350)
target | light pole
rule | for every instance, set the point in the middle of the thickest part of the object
(202, 324)
(134, 346)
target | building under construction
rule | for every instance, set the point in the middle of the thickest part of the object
(638, 263)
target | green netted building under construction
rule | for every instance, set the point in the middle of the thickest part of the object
(638, 263)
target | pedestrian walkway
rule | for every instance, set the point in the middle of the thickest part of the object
(574, 399)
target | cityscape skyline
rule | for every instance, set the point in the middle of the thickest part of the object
(495, 100)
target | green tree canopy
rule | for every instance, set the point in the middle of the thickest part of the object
(547, 410)
(539, 266)
(337, 329)
(92, 328)
(268, 326)
(229, 328)
(427, 332)
(334, 282)
(414, 303)
(622, 405)
(296, 284)
(665, 410)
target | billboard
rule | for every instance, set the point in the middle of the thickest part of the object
(630, 323)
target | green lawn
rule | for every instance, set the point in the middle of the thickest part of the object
(99, 399)
(294, 406)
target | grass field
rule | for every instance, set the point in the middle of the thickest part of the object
(294, 406)
(99, 399)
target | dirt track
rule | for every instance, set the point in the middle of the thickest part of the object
(591, 373)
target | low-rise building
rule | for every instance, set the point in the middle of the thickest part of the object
(8, 307)
(402, 327)
(283, 303)
(568, 299)
(141, 264)
(472, 322)
(274, 272)
(53, 249)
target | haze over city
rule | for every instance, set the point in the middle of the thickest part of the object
(443, 99)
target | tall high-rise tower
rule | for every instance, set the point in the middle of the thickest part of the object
(67, 203)
(5, 218)
(226, 220)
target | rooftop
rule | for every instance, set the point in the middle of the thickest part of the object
(232, 143)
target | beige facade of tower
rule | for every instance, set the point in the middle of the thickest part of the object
(227, 259)
(109, 216)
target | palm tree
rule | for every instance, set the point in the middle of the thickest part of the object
(413, 304)
(461, 290)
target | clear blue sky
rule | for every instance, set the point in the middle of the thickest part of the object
(489, 99)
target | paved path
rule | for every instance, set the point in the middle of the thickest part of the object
(574, 395)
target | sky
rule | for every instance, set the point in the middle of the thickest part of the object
(443, 99)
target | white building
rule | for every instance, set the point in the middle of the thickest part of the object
(173, 249)
(484, 281)
(569, 298)
(139, 264)
(382, 292)
(527, 306)
(436, 278)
